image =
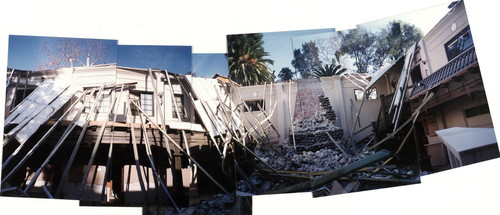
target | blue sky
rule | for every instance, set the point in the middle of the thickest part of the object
(27, 53)
(207, 65)
(176, 59)
(280, 45)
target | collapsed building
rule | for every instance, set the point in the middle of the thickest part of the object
(129, 136)
(110, 134)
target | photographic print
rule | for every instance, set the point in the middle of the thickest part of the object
(157, 129)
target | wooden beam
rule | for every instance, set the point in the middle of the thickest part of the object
(110, 150)
(184, 152)
(136, 156)
(94, 150)
(54, 150)
(79, 141)
(155, 172)
(35, 147)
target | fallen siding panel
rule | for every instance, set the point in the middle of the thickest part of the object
(42, 95)
(208, 91)
(44, 115)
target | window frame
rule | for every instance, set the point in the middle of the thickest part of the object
(139, 97)
(458, 44)
(181, 107)
(372, 92)
(253, 104)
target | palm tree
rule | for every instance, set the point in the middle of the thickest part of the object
(246, 59)
(329, 70)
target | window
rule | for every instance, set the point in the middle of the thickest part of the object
(105, 102)
(21, 94)
(145, 100)
(416, 75)
(476, 111)
(371, 94)
(179, 102)
(461, 42)
(254, 105)
(103, 105)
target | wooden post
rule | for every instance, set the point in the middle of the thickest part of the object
(136, 156)
(79, 141)
(349, 140)
(427, 97)
(96, 147)
(151, 162)
(184, 152)
(55, 149)
(35, 147)
(160, 111)
(290, 113)
(110, 150)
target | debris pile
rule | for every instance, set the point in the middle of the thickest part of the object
(324, 159)
(294, 164)
(218, 204)
(318, 131)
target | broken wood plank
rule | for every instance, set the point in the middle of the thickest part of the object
(96, 147)
(352, 187)
(258, 158)
(390, 180)
(290, 113)
(136, 156)
(336, 143)
(245, 177)
(336, 188)
(335, 174)
(79, 141)
(35, 147)
(47, 192)
(412, 118)
(397, 151)
(160, 111)
(54, 150)
(110, 150)
(349, 139)
(184, 152)
(153, 167)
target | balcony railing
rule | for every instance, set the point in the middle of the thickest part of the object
(454, 67)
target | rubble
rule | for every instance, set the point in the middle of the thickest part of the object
(313, 133)
(324, 159)
(218, 204)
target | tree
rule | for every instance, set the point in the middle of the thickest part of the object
(329, 70)
(359, 44)
(393, 40)
(305, 61)
(286, 74)
(329, 48)
(247, 60)
(370, 51)
(69, 52)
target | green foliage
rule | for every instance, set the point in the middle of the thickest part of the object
(286, 74)
(371, 50)
(247, 60)
(393, 41)
(359, 44)
(306, 61)
(329, 70)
